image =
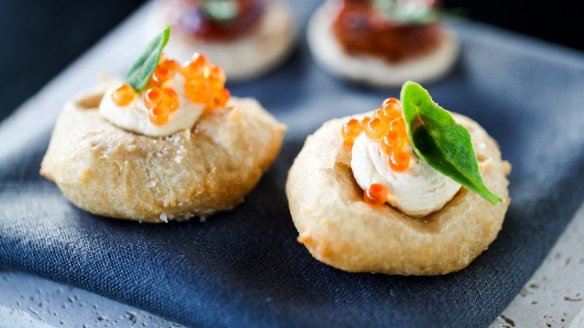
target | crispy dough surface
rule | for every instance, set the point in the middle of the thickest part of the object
(371, 70)
(341, 230)
(108, 171)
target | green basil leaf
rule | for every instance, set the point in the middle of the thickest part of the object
(221, 10)
(407, 14)
(441, 142)
(143, 68)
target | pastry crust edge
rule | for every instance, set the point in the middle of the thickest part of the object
(105, 171)
(338, 228)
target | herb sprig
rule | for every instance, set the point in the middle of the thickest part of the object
(220, 10)
(410, 13)
(143, 68)
(441, 142)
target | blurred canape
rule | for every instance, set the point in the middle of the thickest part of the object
(383, 42)
(245, 37)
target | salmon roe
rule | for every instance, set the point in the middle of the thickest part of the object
(161, 74)
(123, 95)
(351, 129)
(399, 161)
(204, 83)
(376, 128)
(158, 115)
(376, 194)
(386, 127)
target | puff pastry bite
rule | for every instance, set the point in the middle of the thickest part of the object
(382, 43)
(245, 37)
(169, 143)
(408, 189)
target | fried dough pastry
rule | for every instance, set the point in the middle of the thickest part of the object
(341, 230)
(371, 70)
(109, 171)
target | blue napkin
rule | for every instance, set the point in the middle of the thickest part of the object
(244, 268)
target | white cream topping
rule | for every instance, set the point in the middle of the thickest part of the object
(135, 116)
(418, 191)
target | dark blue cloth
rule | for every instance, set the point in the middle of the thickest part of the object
(244, 268)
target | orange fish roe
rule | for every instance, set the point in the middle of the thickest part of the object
(170, 99)
(365, 120)
(158, 115)
(152, 97)
(388, 128)
(198, 61)
(204, 84)
(376, 128)
(351, 130)
(170, 64)
(391, 101)
(376, 194)
(391, 141)
(399, 161)
(123, 95)
(161, 102)
(398, 125)
(161, 74)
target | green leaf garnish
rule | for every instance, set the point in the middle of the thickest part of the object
(407, 13)
(441, 142)
(220, 10)
(143, 68)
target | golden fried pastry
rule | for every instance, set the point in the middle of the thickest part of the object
(342, 229)
(196, 172)
(169, 143)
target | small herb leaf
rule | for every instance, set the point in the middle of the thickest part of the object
(143, 68)
(409, 13)
(441, 142)
(221, 10)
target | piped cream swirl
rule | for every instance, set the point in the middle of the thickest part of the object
(135, 116)
(418, 191)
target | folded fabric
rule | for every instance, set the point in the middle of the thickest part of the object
(244, 268)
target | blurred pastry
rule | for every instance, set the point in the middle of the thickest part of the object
(168, 143)
(373, 192)
(245, 37)
(382, 42)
